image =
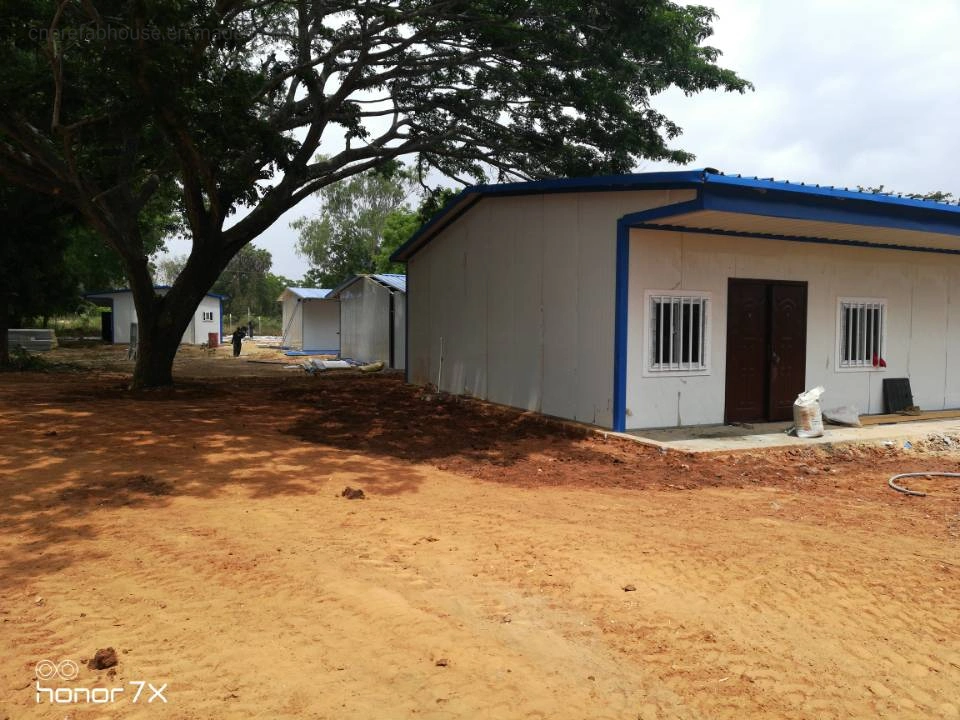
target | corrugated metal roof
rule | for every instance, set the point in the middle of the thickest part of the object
(917, 212)
(309, 293)
(394, 280)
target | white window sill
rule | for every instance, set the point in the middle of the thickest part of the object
(676, 373)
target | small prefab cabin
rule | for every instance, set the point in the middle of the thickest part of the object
(311, 320)
(373, 318)
(119, 321)
(684, 298)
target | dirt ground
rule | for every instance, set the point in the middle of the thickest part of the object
(499, 566)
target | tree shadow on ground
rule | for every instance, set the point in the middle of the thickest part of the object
(72, 446)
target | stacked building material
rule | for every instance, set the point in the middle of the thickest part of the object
(33, 339)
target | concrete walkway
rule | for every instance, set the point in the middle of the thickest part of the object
(721, 438)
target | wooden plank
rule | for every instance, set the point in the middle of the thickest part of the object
(891, 418)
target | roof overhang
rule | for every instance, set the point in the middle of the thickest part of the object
(858, 221)
(749, 207)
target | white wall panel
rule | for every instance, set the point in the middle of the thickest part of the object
(292, 323)
(561, 298)
(952, 369)
(928, 336)
(124, 314)
(922, 325)
(321, 325)
(200, 329)
(419, 319)
(365, 321)
(521, 290)
(399, 331)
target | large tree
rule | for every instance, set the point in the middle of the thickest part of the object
(105, 100)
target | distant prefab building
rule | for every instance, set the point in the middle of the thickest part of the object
(373, 318)
(119, 320)
(311, 320)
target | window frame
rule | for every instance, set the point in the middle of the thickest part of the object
(884, 321)
(204, 318)
(649, 342)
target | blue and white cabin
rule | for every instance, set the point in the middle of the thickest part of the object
(682, 298)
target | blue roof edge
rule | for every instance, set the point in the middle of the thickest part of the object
(155, 287)
(811, 193)
(598, 183)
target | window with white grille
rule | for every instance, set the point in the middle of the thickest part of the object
(677, 339)
(208, 316)
(862, 331)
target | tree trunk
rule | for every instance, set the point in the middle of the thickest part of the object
(4, 335)
(162, 320)
(156, 349)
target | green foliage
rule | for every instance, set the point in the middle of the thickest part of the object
(398, 227)
(433, 202)
(356, 217)
(249, 285)
(37, 231)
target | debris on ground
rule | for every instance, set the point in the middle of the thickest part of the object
(104, 658)
(353, 493)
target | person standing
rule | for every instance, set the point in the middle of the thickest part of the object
(237, 339)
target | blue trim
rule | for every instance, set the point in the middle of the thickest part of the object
(602, 183)
(620, 327)
(622, 298)
(117, 291)
(221, 320)
(794, 238)
(406, 335)
(820, 209)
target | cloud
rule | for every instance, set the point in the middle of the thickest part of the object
(846, 93)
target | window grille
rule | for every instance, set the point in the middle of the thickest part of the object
(678, 333)
(862, 333)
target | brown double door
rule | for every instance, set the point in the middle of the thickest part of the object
(766, 349)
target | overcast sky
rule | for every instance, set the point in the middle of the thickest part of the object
(848, 92)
